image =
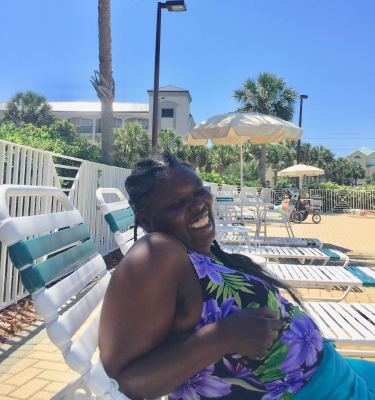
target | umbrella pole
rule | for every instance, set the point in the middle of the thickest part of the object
(241, 164)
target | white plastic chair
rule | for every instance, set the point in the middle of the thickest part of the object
(66, 240)
(119, 216)
(214, 187)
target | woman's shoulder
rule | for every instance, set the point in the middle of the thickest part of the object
(156, 251)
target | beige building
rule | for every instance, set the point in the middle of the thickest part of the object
(174, 112)
(365, 157)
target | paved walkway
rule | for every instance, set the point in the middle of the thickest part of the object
(32, 368)
(353, 236)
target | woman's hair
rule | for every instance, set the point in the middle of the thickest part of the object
(140, 186)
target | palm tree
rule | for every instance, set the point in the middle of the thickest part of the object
(132, 143)
(30, 108)
(267, 94)
(226, 155)
(170, 141)
(278, 157)
(341, 170)
(356, 171)
(103, 82)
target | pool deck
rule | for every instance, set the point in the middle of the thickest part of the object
(31, 367)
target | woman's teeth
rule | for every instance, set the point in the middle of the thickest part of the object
(200, 223)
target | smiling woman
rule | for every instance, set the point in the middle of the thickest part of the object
(181, 317)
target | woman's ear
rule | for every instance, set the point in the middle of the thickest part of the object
(144, 221)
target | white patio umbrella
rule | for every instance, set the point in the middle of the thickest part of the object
(237, 127)
(301, 170)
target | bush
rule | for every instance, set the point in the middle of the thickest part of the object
(222, 179)
(61, 137)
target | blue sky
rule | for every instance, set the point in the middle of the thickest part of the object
(324, 48)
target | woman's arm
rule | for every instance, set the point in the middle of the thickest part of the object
(138, 314)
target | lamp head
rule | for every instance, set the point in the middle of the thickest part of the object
(303, 96)
(176, 5)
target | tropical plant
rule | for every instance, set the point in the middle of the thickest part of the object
(267, 94)
(278, 157)
(356, 171)
(132, 143)
(251, 170)
(30, 108)
(103, 81)
(169, 140)
(370, 180)
(52, 139)
(199, 157)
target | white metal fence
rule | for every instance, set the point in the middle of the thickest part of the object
(336, 200)
(333, 200)
(27, 166)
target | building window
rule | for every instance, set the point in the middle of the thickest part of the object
(167, 113)
(372, 162)
(358, 159)
(142, 121)
(119, 122)
(85, 122)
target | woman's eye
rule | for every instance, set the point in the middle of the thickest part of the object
(202, 191)
(177, 205)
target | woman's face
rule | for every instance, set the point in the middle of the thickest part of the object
(181, 206)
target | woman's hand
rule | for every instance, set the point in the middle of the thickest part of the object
(251, 332)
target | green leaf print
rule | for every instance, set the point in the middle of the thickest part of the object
(253, 304)
(271, 367)
(232, 284)
(287, 396)
(272, 302)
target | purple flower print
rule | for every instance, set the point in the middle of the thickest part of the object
(304, 341)
(292, 382)
(254, 278)
(203, 384)
(204, 266)
(211, 312)
(240, 372)
(280, 302)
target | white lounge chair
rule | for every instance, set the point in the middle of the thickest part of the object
(242, 237)
(300, 253)
(61, 231)
(119, 216)
(323, 277)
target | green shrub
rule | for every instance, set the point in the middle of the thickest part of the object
(222, 179)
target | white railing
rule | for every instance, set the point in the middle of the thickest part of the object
(22, 165)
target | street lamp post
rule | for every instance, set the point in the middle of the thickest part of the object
(178, 5)
(302, 97)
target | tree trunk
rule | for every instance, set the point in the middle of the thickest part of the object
(274, 178)
(107, 131)
(105, 68)
(263, 163)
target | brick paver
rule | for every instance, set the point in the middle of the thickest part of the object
(32, 368)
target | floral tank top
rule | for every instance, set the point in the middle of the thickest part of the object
(289, 364)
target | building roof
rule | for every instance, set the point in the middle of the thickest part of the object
(169, 88)
(92, 106)
(364, 150)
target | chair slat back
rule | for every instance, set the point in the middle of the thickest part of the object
(119, 215)
(69, 249)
